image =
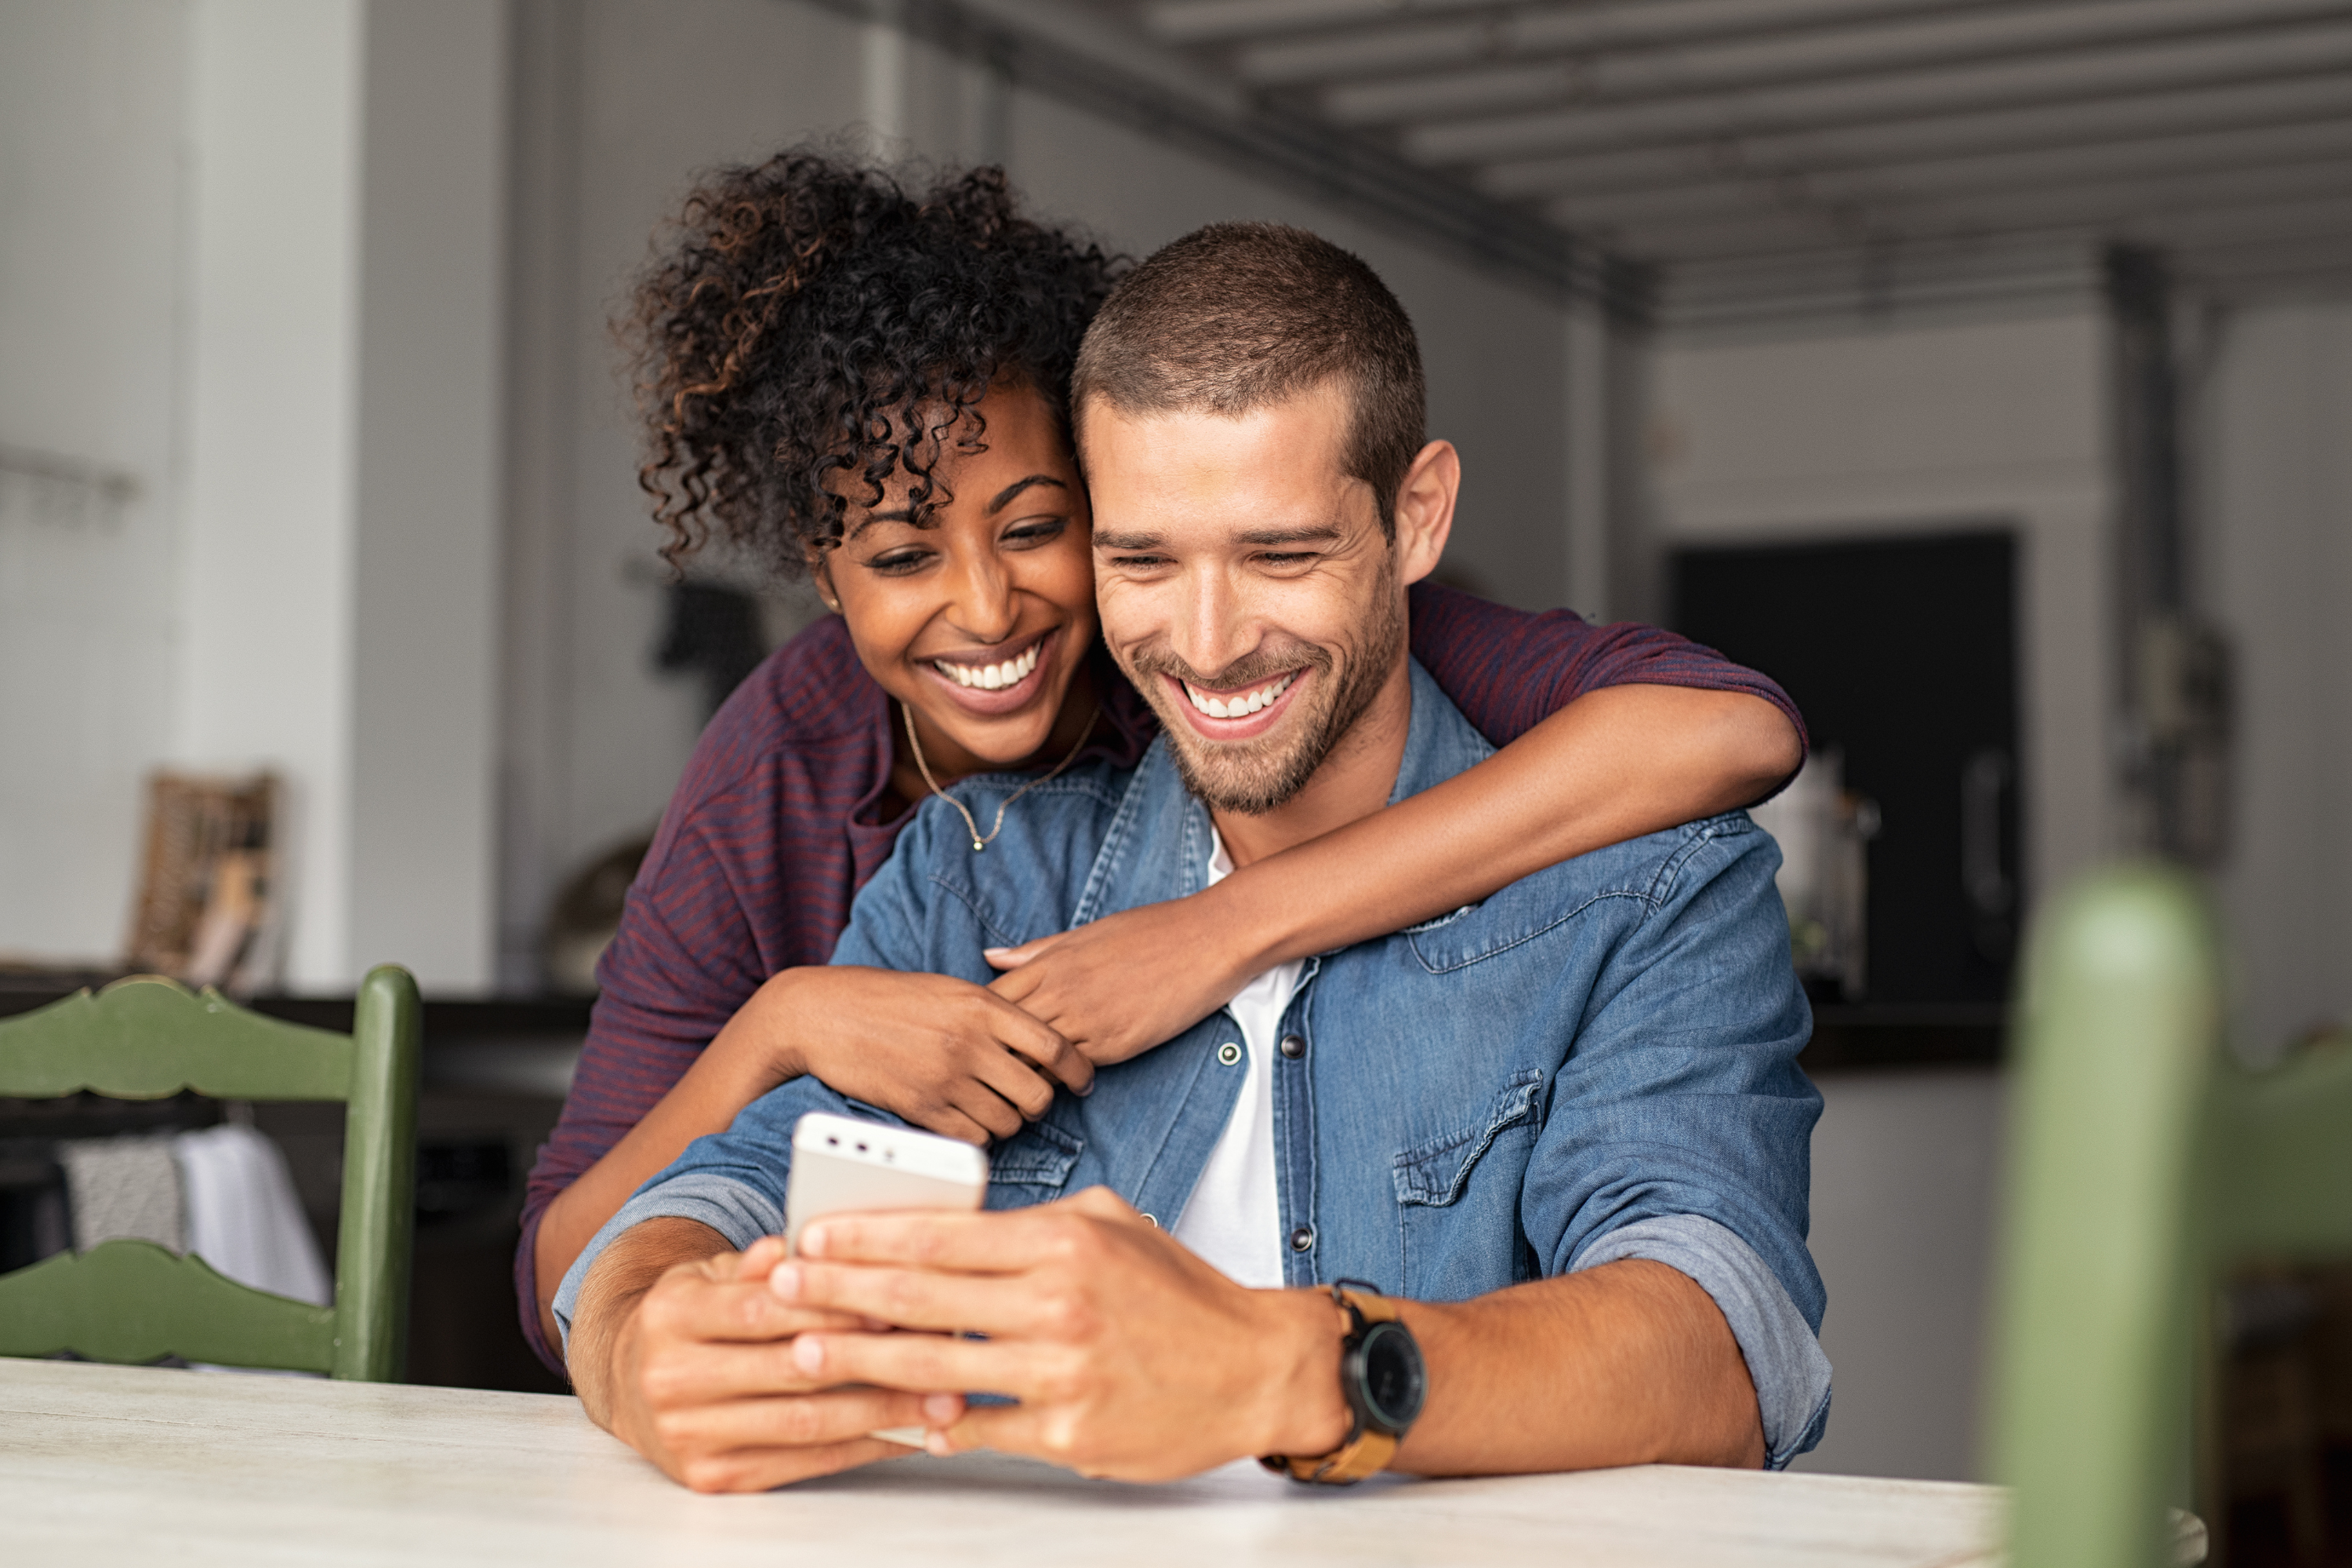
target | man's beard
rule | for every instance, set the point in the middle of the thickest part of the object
(1256, 777)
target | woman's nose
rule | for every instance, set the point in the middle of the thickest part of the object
(983, 608)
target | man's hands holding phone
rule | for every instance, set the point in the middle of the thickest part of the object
(695, 1369)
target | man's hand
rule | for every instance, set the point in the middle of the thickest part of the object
(1116, 987)
(695, 1371)
(1134, 1359)
(1131, 1358)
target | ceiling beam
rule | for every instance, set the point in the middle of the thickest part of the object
(1037, 44)
(1996, 175)
(2236, 105)
(1978, 88)
(2156, 209)
(1873, 51)
(1408, 46)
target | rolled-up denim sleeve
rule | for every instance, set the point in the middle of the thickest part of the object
(1784, 1359)
(734, 1182)
(1683, 1095)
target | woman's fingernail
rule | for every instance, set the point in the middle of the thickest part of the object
(812, 1241)
(942, 1408)
(992, 952)
(808, 1355)
(937, 1443)
(785, 1282)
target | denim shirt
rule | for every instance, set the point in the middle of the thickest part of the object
(1598, 1062)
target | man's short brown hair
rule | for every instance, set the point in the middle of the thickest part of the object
(1236, 316)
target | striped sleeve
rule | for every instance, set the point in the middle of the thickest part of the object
(1508, 670)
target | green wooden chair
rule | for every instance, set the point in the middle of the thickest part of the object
(135, 1302)
(2144, 1166)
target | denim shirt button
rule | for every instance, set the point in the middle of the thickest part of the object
(1229, 1053)
(1294, 1046)
(1302, 1239)
(1152, 1220)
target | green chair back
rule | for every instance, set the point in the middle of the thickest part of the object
(2145, 1164)
(134, 1301)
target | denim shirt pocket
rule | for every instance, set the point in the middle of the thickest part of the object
(1033, 1166)
(1446, 1225)
(1434, 1174)
(1518, 914)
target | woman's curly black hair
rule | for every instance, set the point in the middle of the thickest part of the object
(811, 317)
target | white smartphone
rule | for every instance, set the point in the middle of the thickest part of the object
(840, 1165)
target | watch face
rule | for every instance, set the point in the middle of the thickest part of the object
(1393, 1383)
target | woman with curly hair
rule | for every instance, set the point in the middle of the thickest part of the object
(870, 385)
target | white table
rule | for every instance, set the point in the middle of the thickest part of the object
(105, 1465)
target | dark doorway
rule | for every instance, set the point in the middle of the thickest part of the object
(1902, 653)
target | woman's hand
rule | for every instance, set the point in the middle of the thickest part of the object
(1116, 987)
(946, 1055)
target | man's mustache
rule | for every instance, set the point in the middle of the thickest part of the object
(1252, 669)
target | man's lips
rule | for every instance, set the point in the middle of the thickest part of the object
(996, 686)
(1248, 710)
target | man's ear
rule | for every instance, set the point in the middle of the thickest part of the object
(1425, 510)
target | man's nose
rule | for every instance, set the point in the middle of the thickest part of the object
(1213, 631)
(982, 607)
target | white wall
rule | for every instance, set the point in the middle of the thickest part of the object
(1920, 429)
(263, 274)
(91, 101)
(1906, 1174)
(429, 504)
(266, 575)
(2275, 522)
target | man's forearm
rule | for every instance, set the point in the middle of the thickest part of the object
(615, 1283)
(1628, 1364)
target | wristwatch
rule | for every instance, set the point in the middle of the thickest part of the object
(1384, 1381)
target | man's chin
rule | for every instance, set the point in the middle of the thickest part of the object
(1250, 778)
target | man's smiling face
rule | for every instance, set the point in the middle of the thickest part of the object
(1246, 585)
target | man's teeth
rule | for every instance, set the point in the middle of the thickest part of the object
(1243, 706)
(992, 677)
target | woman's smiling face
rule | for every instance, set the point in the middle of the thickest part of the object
(978, 612)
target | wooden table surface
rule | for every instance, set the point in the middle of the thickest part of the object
(102, 1465)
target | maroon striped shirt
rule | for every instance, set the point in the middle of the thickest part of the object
(774, 829)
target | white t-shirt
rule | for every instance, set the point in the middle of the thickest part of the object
(1233, 1218)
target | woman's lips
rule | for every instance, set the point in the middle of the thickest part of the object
(1274, 699)
(1037, 656)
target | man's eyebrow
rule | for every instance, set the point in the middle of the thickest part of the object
(1323, 533)
(1005, 497)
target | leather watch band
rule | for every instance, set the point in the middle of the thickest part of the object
(1366, 1452)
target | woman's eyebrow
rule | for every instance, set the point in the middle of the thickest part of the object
(1005, 497)
(895, 514)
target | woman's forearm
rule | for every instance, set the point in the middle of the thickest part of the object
(734, 1069)
(1613, 766)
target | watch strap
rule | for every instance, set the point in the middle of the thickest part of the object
(1365, 1452)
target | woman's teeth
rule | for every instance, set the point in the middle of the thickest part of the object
(992, 677)
(1241, 707)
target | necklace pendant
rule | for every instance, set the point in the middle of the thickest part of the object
(979, 845)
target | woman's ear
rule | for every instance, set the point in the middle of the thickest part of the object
(820, 571)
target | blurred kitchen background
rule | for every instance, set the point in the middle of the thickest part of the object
(1981, 369)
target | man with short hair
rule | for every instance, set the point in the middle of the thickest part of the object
(1523, 1188)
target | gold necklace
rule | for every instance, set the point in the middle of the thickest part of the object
(978, 843)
